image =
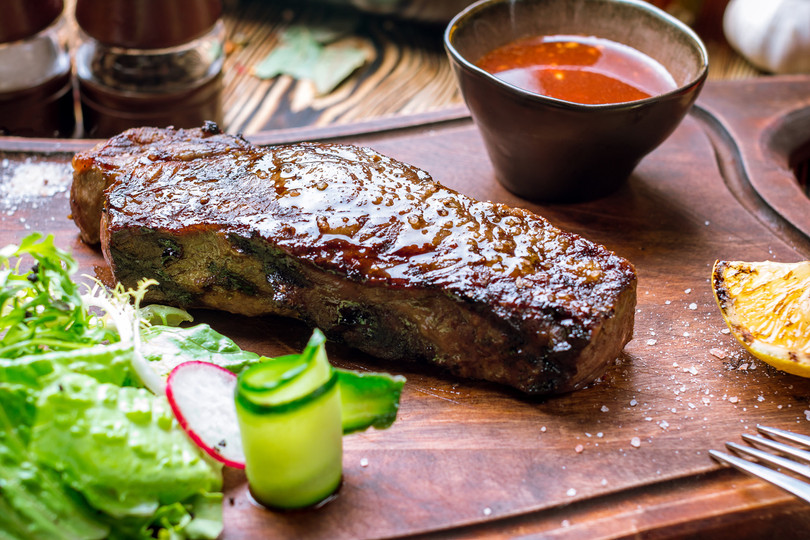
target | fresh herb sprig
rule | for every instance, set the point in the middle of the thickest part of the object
(41, 309)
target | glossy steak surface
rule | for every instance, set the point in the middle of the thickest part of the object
(369, 249)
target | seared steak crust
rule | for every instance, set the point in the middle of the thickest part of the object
(370, 250)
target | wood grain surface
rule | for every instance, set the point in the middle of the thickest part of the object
(625, 457)
(406, 71)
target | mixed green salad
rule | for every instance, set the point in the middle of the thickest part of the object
(90, 446)
(86, 451)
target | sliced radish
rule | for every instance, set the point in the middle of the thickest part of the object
(202, 397)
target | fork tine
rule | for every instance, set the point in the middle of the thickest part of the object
(797, 453)
(765, 457)
(788, 483)
(801, 440)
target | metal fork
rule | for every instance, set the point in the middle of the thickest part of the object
(798, 487)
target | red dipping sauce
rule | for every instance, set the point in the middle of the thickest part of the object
(580, 69)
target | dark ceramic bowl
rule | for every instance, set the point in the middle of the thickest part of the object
(546, 149)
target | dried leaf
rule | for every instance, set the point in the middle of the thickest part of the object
(310, 53)
(295, 56)
(334, 65)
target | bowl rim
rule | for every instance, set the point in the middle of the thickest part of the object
(695, 82)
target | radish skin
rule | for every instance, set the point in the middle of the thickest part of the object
(201, 395)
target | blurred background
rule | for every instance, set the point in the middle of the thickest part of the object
(404, 68)
(277, 65)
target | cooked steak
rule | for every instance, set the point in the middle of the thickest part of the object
(370, 250)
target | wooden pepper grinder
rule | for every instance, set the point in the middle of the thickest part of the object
(36, 93)
(149, 63)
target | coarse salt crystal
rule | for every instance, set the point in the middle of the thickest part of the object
(687, 291)
(571, 492)
(604, 408)
(487, 511)
(693, 306)
(651, 342)
(633, 402)
(579, 448)
(719, 353)
(733, 399)
(635, 442)
(31, 180)
(364, 462)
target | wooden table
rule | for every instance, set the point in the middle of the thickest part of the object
(407, 72)
(625, 457)
(406, 78)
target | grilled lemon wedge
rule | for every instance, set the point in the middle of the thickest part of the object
(767, 307)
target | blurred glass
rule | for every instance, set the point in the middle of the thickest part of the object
(149, 63)
(36, 97)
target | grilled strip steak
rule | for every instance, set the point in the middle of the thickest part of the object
(370, 250)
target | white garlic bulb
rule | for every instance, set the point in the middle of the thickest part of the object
(774, 35)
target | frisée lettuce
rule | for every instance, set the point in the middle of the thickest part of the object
(85, 450)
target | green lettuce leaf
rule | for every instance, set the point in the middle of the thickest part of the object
(120, 447)
(34, 503)
(105, 363)
(165, 315)
(84, 455)
(167, 346)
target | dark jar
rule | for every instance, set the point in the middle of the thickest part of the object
(36, 93)
(149, 63)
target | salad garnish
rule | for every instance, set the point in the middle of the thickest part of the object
(86, 451)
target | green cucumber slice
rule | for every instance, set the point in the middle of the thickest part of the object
(293, 412)
(368, 399)
(291, 430)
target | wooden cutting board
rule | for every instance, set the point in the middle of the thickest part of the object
(625, 457)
